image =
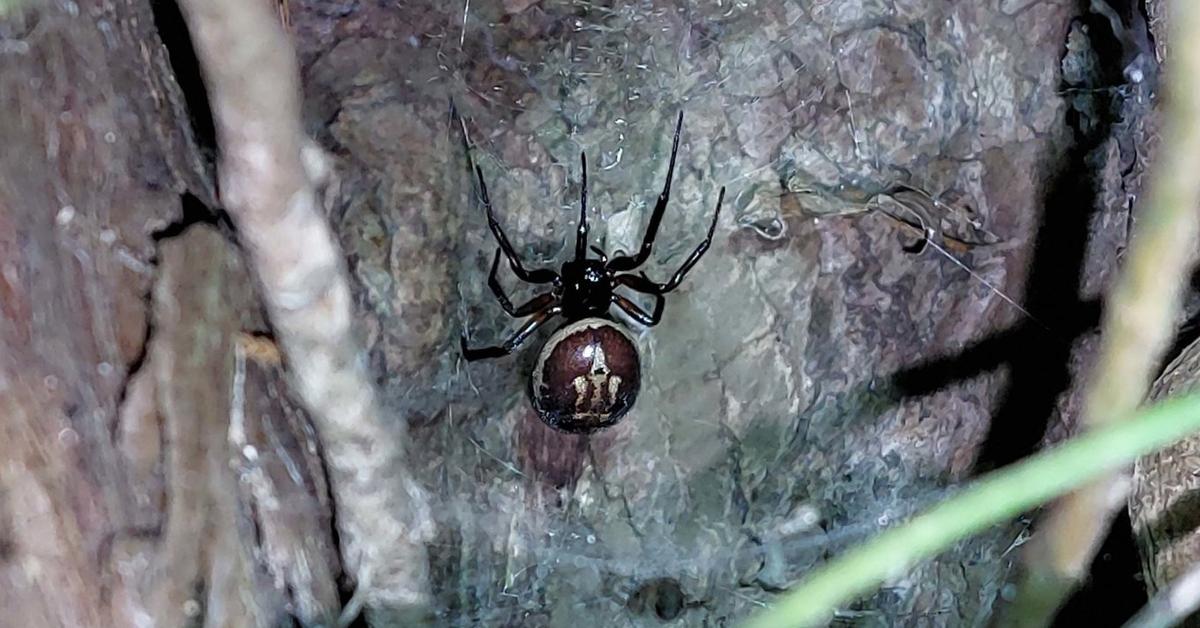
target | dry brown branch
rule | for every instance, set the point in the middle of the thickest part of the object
(252, 80)
(1137, 327)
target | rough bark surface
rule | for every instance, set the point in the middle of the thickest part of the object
(128, 494)
(812, 380)
(270, 178)
(1162, 501)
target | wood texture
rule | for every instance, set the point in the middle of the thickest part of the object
(127, 496)
(1164, 502)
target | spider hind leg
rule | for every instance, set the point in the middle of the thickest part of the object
(637, 313)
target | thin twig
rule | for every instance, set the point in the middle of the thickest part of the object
(269, 173)
(1137, 328)
(1170, 606)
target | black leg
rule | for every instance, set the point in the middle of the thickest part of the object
(637, 313)
(533, 276)
(581, 235)
(624, 262)
(641, 283)
(535, 304)
(514, 341)
(537, 275)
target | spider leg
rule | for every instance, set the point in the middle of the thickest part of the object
(642, 283)
(637, 313)
(535, 304)
(624, 262)
(581, 235)
(514, 341)
(537, 275)
(532, 276)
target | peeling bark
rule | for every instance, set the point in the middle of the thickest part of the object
(123, 500)
(269, 173)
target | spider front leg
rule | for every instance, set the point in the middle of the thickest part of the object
(514, 341)
(535, 304)
(642, 283)
(537, 275)
(531, 276)
(622, 263)
(581, 234)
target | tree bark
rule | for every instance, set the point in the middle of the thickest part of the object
(128, 495)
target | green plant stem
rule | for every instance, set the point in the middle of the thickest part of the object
(1140, 317)
(993, 498)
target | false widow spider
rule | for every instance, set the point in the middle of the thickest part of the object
(588, 373)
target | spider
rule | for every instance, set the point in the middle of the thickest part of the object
(588, 373)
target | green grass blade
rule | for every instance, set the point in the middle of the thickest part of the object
(992, 499)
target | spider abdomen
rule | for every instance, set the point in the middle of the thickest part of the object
(587, 376)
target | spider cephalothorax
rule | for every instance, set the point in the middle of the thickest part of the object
(588, 373)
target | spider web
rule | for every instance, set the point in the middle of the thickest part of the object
(773, 428)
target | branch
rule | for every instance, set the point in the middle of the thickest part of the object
(252, 78)
(1172, 605)
(1139, 323)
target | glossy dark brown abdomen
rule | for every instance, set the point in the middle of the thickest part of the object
(587, 376)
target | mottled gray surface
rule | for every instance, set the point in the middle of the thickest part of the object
(771, 431)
